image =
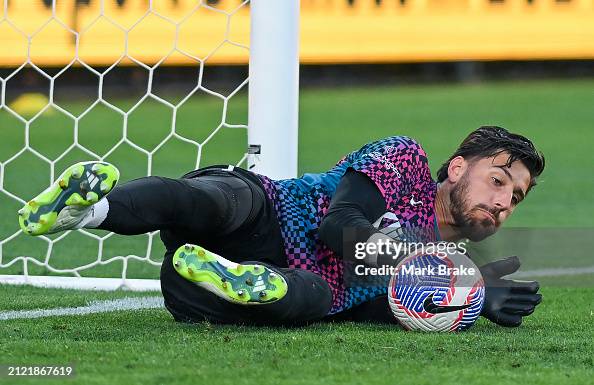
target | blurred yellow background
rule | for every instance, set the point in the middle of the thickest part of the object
(332, 31)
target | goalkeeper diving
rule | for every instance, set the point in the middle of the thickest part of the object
(242, 248)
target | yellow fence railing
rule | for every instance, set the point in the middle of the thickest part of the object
(332, 31)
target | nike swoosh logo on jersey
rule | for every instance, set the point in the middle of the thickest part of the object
(433, 308)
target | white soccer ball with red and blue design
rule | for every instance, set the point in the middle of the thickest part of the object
(436, 292)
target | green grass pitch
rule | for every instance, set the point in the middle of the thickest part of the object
(553, 346)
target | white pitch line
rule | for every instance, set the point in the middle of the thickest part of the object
(135, 303)
(555, 272)
(130, 303)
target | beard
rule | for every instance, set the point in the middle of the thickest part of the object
(469, 226)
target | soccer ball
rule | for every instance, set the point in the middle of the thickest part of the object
(436, 292)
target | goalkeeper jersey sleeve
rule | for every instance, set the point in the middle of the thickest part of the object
(356, 204)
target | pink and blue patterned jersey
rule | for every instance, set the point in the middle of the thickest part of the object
(398, 166)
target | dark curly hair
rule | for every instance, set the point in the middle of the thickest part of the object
(489, 141)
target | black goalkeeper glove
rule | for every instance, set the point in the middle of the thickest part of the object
(507, 300)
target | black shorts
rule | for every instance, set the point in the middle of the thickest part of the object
(256, 237)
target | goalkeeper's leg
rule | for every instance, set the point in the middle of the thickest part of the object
(225, 212)
(77, 199)
(307, 298)
(188, 208)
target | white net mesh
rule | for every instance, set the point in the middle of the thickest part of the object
(125, 114)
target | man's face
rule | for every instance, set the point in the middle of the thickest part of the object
(486, 194)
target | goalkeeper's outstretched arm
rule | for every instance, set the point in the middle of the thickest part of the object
(356, 203)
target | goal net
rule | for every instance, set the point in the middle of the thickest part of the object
(145, 85)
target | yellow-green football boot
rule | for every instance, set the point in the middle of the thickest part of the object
(246, 284)
(67, 202)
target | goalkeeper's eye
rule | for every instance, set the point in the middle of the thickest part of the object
(496, 181)
(515, 200)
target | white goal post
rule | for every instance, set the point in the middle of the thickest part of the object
(271, 131)
(274, 84)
